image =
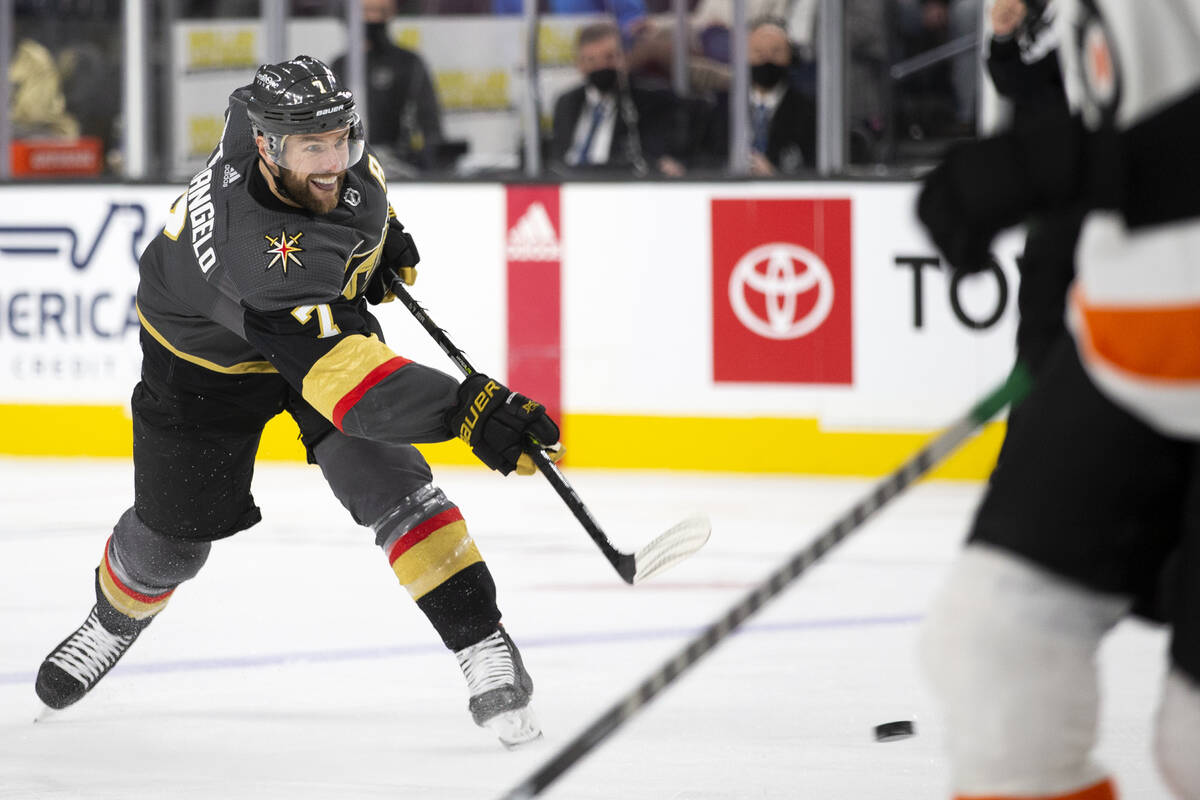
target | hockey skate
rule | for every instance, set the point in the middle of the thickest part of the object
(500, 689)
(80, 661)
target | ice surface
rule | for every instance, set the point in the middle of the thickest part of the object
(295, 667)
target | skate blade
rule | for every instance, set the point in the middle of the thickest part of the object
(515, 728)
(46, 712)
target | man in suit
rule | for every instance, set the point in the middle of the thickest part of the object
(783, 121)
(609, 124)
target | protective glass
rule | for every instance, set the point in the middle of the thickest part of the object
(319, 153)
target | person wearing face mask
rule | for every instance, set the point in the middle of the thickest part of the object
(403, 113)
(783, 121)
(782, 118)
(610, 124)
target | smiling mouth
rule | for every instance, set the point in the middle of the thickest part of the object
(324, 184)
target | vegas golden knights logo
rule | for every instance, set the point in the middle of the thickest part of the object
(284, 250)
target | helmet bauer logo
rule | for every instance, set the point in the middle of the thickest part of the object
(786, 276)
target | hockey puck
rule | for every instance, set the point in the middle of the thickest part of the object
(891, 731)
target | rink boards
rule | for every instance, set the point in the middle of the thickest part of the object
(761, 327)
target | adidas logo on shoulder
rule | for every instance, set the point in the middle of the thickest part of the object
(533, 237)
(231, 176)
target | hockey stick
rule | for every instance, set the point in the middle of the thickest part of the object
(668, 549)
(926, 458)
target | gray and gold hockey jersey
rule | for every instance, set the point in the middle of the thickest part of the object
(238, 282)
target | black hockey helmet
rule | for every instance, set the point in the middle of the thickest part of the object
(302, 96)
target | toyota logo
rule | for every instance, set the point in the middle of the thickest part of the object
(790, 271)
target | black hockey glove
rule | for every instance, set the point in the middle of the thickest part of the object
(986, 185)
(400, 256)
(497, 424)
(969, 198)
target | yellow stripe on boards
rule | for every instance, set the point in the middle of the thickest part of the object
(759, 444)
(95, 431)
(107, 432)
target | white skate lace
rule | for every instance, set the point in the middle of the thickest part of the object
(487, 665)
(90, 651)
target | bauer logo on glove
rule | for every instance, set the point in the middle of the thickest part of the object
(500, 424)
(475, 408)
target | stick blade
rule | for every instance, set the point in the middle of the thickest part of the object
(671, 547)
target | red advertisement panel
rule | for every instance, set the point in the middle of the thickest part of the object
(782, 291)
(534, 295)
(57, 157)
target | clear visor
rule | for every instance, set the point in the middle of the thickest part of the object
(319, 153)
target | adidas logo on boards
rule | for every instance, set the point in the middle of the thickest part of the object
(533, 238)
(231, 176)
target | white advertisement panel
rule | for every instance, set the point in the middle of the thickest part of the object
(665, 307)
(639, 306)
(68, 276)
(459, 232)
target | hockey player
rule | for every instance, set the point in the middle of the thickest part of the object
(1101, 481)
(253, 301)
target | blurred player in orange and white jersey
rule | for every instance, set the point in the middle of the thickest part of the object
(1095, 504)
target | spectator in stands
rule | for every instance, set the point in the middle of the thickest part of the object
(867, 33)
(404, 116)
(610, 123)
(782, 119)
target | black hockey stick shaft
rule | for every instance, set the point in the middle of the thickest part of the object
(885, 490)
(623, 563)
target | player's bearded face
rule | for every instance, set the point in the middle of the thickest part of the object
(318, 193)
(313, 167)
